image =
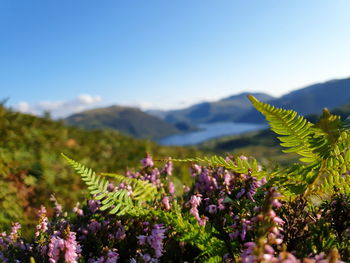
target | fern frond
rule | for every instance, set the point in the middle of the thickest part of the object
(117, 202)
(237, 165)
(327, 133)
(215, 259)
(327, 185)
(141, 190)
(295, 129)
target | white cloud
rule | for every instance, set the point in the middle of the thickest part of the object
(23, 107)
(60, 109)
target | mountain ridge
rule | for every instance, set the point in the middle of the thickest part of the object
(307, 100)
(227, 109)
(156, 124)
(129, 120)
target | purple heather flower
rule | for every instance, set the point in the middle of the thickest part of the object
(43, 221)
(56, 245)
(147, 161)
(94, 226)
(69, 247)
(263, 181)
(112, 256)
(221, 205)
(142, 239)
(14, 231)
(203, 221)
(94, 205)
(243, 158)
(212, 209)
(278, 220)
(195, 202)
(168, 167)
(206, 182)
(286, 257)
(146, 257)
(77, 210)
(171, 188)
(268, 249)
(227, 178)
(156, 239)
(244, 231)
(110, 187)
(72, 249)
(240, 193)
(276, 203)
(166, 202)
(195, 170)
(3, 258)
(247, 255)
(120, 234)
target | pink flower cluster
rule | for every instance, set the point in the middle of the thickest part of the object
(68, 246)
(154, 241)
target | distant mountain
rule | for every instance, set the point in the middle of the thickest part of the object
(237, 108)
(227, 109)
(161, 114)
(308, 100)
(128, 120)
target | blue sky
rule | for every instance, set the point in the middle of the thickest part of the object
(68, 55)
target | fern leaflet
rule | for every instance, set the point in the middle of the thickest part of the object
(118, 202)
(296, 129)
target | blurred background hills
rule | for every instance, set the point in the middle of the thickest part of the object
(156, 125)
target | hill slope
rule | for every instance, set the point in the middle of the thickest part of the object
(128, 120)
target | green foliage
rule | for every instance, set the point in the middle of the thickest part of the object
(238, 165)
(324, 146)
(119, 201)
(11, 207)
(296, 129)
(141, 190)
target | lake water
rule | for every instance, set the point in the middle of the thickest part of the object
(210, 131)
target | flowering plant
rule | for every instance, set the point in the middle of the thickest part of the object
(235, 210)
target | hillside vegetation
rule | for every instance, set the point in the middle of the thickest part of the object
(31, 168)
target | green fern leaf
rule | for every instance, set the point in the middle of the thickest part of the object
(296, 130)
(117, 202)
(142, 190)
(237, 165)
